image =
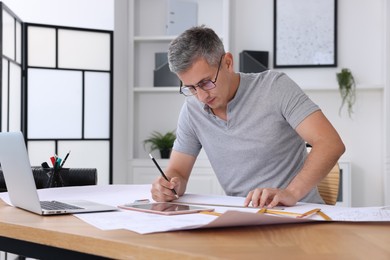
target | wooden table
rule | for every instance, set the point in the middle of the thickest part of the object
(67, 237)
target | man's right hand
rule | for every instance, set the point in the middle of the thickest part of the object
(162, 190)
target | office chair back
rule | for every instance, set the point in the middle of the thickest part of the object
(70, 176)
(329, 186)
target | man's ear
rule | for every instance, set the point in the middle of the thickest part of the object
(229, 60)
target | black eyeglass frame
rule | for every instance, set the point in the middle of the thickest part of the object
(201, 84)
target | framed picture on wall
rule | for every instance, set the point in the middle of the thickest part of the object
(305, 33)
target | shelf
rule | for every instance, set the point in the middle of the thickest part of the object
(160, 38)
(154, 38)
(359, 87)
(156, 89)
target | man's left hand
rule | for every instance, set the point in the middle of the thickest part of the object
(270, 197)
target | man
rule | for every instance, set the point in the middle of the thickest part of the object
(253, 128)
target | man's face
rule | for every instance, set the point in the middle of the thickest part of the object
(200, 72)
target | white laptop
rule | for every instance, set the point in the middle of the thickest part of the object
(21, 185)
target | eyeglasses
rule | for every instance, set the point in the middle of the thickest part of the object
(190, 90)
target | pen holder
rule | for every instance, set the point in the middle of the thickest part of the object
(55, 177)
(69, 176)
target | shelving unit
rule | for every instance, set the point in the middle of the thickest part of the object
(157, 108)
(156, 90)
(146, 37)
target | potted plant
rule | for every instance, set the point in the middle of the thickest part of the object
(347, 88)
(161, 142)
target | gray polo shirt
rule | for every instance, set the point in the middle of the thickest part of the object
(257, 146)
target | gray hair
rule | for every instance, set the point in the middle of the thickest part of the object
(196, 42)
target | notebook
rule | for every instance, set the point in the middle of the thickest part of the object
(21, 185)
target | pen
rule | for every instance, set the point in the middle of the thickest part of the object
(163, 174)
(53, 161)
(45, 165)
(57, 165)
(66, 157)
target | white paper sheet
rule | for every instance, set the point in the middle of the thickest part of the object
(113, 195)
(145, 223)
(214, 200)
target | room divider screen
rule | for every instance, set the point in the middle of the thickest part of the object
(11, 70)
(65, 89)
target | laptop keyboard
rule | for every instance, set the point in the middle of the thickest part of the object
(56, 205)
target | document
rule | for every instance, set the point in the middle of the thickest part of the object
(230, 211)
(215, 200)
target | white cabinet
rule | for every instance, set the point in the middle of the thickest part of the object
(202, 179)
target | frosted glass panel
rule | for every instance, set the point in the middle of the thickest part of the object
(8, 35)
(97, 105)
(41, 47)
(54, 103)
(83, 50)
(15, 97)
(40, 151)
(4, 97)
(88, 154)
(18, 42)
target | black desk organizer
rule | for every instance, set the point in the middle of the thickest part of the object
(69, 176)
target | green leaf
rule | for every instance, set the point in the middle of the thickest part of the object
(347, 88)
(159, 141)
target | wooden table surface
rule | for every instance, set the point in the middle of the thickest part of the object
(329, 240)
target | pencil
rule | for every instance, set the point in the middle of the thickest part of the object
(162, 173)
(310, 212)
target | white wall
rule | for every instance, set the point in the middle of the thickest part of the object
(387, 107)
(361, 45)
(92, 14)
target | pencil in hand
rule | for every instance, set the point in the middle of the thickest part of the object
(163, 174)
